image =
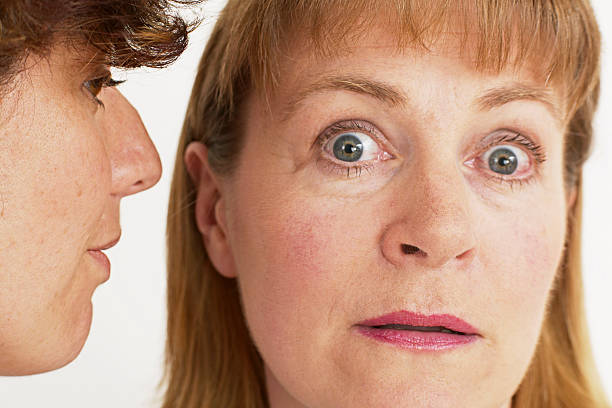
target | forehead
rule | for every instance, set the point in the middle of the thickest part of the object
(53, 74)
(73, 55)
(375, 65)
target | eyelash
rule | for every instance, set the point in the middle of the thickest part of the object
(99, 83)
(513, 138)
(336, 129)
(517, 139)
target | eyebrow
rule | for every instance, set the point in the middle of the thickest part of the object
(496, 97)
(385, 93)
(393, 97)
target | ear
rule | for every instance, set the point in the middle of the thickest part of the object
(209, 209)
(572, 196)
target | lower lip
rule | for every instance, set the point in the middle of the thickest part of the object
(417, 340)
(102, 259)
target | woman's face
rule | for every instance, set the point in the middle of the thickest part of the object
(402, 185)
(65, 163)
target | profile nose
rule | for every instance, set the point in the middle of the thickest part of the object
(135, 163)
(432, 222)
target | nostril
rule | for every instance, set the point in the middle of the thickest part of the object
(467, 254)
(410, 249)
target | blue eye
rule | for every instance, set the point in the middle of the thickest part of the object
(503, 161)
(351, 146)
(506, 160)
(348, 147)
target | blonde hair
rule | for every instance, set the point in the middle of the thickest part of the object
(210, 358)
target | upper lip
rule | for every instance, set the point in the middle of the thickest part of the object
(108, 245)
(404, 317)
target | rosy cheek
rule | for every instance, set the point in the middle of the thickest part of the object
(299, 261)
(287, 269)
(304, 238)
(521, 268)
(540, 257)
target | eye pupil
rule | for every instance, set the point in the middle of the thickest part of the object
(503, 161)
(348, 148)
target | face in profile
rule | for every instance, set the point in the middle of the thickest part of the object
(70, 149)
(395, 224)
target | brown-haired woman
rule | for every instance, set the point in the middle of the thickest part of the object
(71, 146)
(379, 206)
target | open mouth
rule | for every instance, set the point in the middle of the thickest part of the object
(439, 329)
(418, 332)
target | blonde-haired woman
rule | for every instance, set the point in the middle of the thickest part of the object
(379, 206)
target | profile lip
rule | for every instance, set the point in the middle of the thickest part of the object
(408, 318)
(106, 246)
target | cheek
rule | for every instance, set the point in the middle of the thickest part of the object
(63, 194)
(294, 258)
(524, 254)
(287, 262)
(54, 186)
(519, 264)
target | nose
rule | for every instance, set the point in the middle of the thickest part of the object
(431, 221)
(134, 160)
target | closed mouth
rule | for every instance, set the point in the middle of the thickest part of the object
(106, 246)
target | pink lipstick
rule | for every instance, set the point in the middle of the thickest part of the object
(419, 332)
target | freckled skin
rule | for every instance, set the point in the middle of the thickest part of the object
(64, 165)
(315, 253)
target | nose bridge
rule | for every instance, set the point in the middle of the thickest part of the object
(442, 197)
(435, 224)
(134, 160)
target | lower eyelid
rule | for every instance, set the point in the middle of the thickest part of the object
(334, 168)
(511, 182)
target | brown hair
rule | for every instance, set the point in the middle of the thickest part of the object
(210, 359)
(128, 34)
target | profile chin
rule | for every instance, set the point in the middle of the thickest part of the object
(68, 344)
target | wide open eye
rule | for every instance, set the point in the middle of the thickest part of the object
(506, 160)
(352, 147)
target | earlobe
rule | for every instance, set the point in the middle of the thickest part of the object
(572, 196)
(209, 209)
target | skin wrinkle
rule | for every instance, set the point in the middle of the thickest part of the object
(386, 93)
(61, 190)
(306, 243)
(2, 207)
(365, 86)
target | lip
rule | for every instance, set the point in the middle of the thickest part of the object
(106, 246)
(103, 261)
(419, 340)
(100, 257)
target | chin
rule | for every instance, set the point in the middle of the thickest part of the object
(52, 348)
(72, 344)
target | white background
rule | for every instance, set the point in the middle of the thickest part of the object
(121, 363)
